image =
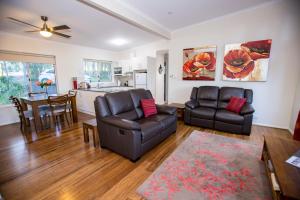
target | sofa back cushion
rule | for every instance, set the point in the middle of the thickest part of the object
(101, 107)
(194, 93)
(226, 93)
(249, 95)
(207, 96)
(121, 104)
(137, 95)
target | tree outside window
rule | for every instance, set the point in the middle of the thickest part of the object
(97, 71)
(18, 78)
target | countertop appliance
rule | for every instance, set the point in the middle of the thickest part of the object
(140, 79)
(84, 85)
(118, 71)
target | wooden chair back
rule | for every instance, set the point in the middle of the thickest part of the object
(18, 106)
(32, 94)
(56, 102)
(72, 93)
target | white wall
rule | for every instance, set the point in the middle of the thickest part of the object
(68, 61)
(145, 50)
(273, 100)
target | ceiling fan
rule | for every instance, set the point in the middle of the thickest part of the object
(46, 31)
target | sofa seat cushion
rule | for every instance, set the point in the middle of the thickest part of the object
(149, 128)
(203, 113)
(165, 120)
(229, 117)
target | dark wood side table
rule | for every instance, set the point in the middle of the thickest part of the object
(277, 150)
(91, 125)
(180, 109)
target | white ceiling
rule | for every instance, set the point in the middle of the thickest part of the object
(89, 26)
(188, 12)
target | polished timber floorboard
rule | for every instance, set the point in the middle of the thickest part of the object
(57, 164)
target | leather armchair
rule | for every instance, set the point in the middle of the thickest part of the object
(122, 127)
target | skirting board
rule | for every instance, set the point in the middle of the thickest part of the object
(258, 124)
(10, 122)
(86, 112)
(272, 126)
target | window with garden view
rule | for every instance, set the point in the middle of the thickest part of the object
(97, 71)
(18, 78)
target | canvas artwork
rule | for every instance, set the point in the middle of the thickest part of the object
(247, 61)
(199, 63)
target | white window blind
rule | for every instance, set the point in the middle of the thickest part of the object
(26, 57)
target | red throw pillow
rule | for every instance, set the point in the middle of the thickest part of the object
(149, 107)
(235, 104)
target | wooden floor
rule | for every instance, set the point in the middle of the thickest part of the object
(57, 164)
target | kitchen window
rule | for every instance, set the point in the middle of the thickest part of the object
(97, 71)
(19, 73)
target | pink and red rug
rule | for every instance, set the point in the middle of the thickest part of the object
(208, 166)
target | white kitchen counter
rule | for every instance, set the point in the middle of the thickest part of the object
(85, 97)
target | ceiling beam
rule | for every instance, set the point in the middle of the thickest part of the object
(129, 15)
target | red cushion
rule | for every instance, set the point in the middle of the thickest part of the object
(149, 107)
(235, 104)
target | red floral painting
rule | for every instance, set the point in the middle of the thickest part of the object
(247, 61)
(199, 63)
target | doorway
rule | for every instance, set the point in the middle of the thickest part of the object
(162, 75)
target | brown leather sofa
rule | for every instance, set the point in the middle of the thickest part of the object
(122, 127)
(207, 108)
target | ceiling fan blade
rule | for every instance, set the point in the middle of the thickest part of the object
(62, 27)
(11, 18)
(32, 31)
(60, 34)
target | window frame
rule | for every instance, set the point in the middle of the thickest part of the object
(28, 71)
(84, 60)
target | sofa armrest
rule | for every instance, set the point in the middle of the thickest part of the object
(166, 109)
(192, 104)
(247, 109)
(121, 123)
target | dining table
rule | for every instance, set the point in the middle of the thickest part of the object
(38, 100)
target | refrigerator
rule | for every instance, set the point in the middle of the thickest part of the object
(140, 79)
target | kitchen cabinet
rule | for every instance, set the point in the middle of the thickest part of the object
(126, 66)
(85, 101)
(137, 63)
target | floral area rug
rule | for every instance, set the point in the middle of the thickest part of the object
(209, 166)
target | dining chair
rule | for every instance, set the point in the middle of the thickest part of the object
(41, 107)
(69, 104)
(58, 107)
(32, 94)
(24, 115)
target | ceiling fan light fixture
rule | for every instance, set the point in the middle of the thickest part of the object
(45, 33)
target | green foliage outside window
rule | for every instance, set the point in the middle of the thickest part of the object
(98, 71)
(18, 78)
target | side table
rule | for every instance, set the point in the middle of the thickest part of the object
(180, 109)
(90, 125)
(276, 151)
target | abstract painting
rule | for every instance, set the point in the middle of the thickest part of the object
(247, 61)
(199, 63)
